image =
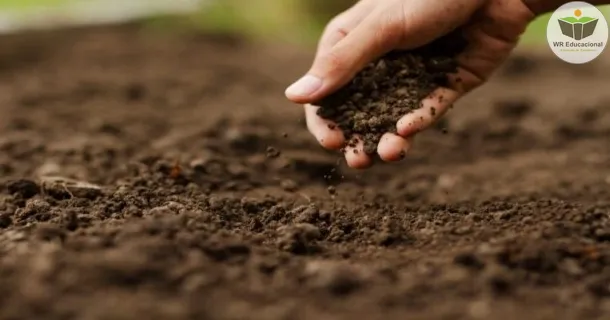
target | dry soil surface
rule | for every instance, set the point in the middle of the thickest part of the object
(149, 175)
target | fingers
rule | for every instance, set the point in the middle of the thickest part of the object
(386, 26)
(374, 36)
(356, 157)
(437, 103)
(327, 133)
(480, 59)
(432, 108)
(393, 148)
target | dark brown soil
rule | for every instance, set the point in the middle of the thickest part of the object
(150, 175)
(389, 88)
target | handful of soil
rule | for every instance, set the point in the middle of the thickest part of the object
(389, 88)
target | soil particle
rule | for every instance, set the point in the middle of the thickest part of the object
(300, 238)
(289, 185)
(469, 260)
(61, 188)
(387, 89)
(309, 213)
(273, 153)
(589, 115)
(23, 187)
(514, 109)
(134, 92)
(391, 233)
(5, 220)
(335, 278)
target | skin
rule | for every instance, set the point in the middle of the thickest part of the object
(372, 28)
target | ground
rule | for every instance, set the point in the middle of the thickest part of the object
(160, 176)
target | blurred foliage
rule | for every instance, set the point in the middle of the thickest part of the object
(324, 10)
(289, 20)
(24, 4)
(299, 21)
(303, 20)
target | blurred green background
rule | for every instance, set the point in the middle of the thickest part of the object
(298, 21)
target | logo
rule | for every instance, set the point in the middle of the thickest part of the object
(577, 32)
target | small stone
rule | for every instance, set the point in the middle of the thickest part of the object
(85, 190)
(58, 187)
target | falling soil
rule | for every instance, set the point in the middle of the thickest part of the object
(152, 175)
(389, 88)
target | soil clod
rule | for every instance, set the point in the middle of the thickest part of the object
(25, 188)
(272, 153)
(514, 109)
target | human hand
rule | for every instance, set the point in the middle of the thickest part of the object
(372, 28)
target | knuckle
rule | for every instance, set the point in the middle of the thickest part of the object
(390, 35)
(335, 62)
(338, 24)
(391, 30)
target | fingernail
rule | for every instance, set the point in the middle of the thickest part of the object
(305, 86)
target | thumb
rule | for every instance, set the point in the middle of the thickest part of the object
(374, 36)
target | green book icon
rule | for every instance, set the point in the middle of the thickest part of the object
(578, 28)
